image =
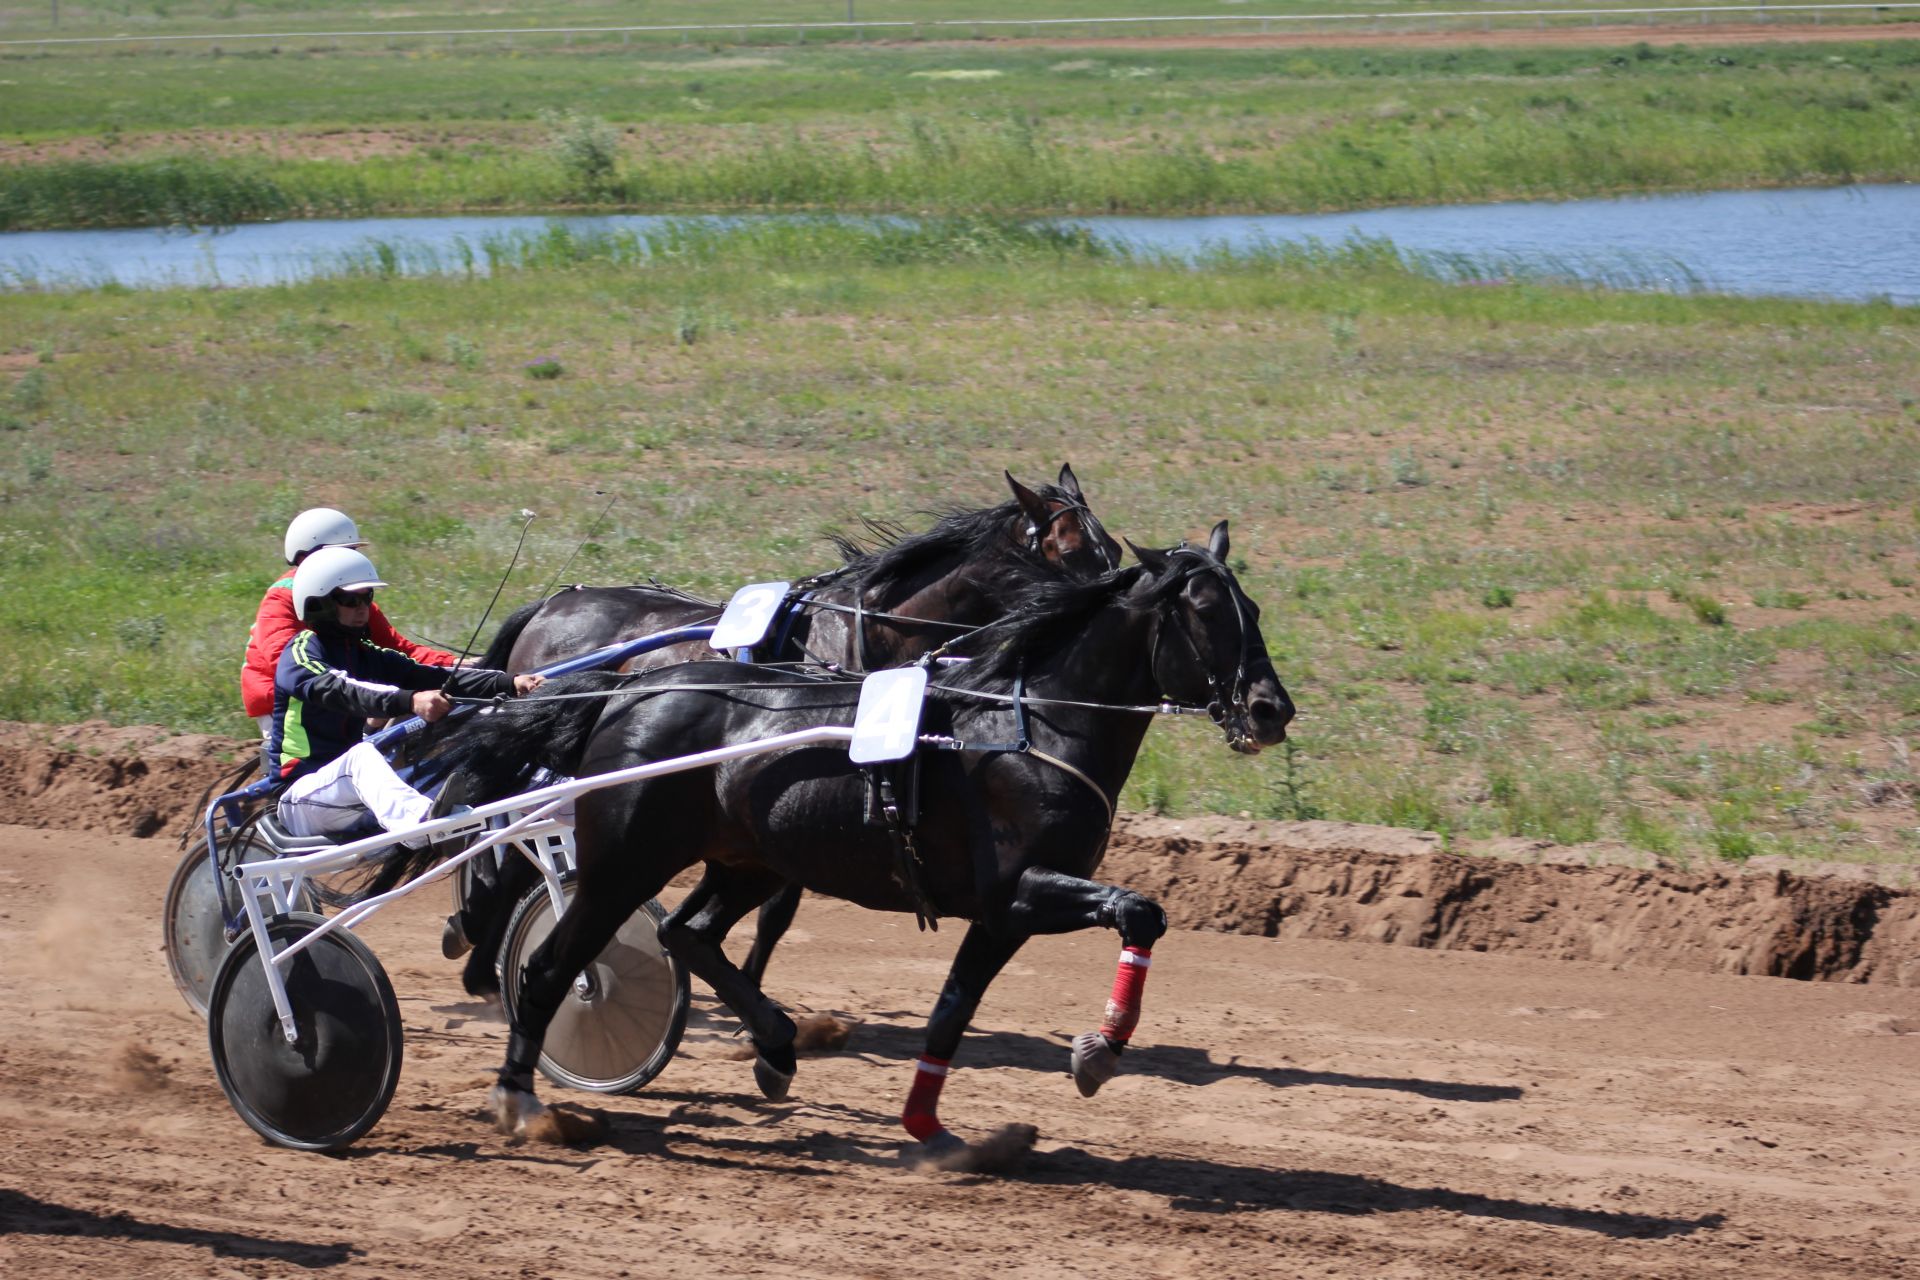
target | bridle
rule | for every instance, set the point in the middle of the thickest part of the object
(1090, 527)
(1234, 698)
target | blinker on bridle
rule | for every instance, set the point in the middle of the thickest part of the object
(1089, 525)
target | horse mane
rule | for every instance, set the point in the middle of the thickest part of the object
(1048, 614)
(889, 556)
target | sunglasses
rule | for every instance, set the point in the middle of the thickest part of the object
(351, 599)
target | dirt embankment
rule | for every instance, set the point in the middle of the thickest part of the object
(1334, 881)
(1347, 886)
(138, 781)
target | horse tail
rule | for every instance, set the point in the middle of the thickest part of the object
(226, 782)
(499, 752)
(500, 648)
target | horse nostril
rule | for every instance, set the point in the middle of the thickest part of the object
(1269, 714)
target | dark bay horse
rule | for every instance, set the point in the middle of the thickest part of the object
(1006, 839)
(886, 605)
(861, 615)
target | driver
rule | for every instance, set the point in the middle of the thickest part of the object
(276, 622)
(330, 680)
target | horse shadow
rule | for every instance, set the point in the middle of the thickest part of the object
(1181, 1064)
(691, 1133)
(1209, 1186)
(22, 1214)
(1188, 1185)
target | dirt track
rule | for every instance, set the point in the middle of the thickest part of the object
(1293, 1108)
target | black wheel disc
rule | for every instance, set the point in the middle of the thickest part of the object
(334, 1083)
(620, 1022)
(196, 930)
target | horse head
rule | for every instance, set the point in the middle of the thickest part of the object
(1062, 529)
(1208, 650)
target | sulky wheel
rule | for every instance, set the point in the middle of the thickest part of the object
(335, 1081)
(622, 1019)
(196, 931)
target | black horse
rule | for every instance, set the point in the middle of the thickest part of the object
(1006, 837)
(886, 605)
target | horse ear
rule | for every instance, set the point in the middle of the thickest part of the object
(1157, 562)
(1070, 482)
(1217, 542)
(1030, 502)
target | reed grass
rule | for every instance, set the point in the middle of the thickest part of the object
(1332, 130)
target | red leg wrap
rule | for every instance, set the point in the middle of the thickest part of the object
(1123, 1006)
(923, 1100)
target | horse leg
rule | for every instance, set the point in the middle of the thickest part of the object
(694, 933)
(583, 930)
(776, 915)
(1049, 902)
(983, 953)
(616, 875)
(484, 922)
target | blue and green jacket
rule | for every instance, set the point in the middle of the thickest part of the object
(328, 684)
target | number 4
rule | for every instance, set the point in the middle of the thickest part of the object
(887, 725)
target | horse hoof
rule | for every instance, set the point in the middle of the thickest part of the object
(1093, 1062)
(453, 939)
(480, 979)
(513, 1108)
(941, 1151)
(1004, 1151)
(773, 1082)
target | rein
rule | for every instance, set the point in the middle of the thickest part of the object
(862, 612)
(1165, 708)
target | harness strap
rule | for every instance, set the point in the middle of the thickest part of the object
(1023, 745)
(1076, 772)
(834, 607)
(791, 609)
(859, 628)
(910, 870)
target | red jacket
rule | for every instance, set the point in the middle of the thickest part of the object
(276, 626)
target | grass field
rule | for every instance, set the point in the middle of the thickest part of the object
(1534, 561)
(103, 139)
(25, 20)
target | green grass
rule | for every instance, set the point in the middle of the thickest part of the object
(178, 137)
(1456, 506)
(136, 18)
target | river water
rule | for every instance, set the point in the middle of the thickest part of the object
(1846, 243)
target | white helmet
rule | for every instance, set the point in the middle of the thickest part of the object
(321, 527)
(326, 571)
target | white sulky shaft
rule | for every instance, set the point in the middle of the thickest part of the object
(537, 808)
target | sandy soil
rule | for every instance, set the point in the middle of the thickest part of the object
(1292, 1108)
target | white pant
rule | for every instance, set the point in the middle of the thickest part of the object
(266, 726)
(337, 796)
